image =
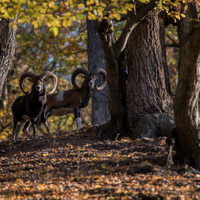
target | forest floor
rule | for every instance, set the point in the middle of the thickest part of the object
(74, 165)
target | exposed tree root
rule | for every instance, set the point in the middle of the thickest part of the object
(152, 125)
(110, 130)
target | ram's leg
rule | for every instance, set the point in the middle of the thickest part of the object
(47, 128)
(15, 128)
(44, 118)
(26, 129)
(30, 129)
(78, 117)
(34, 126)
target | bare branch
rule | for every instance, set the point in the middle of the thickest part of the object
(171, 38)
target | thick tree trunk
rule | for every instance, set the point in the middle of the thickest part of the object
(149, 101)
(186, 100)
(7, 49)
(96, 59)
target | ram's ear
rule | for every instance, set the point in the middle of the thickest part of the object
(31, 80)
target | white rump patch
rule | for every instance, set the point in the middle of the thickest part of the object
(59, 96)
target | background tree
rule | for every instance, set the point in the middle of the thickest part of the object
(96, 59)
(186, 100)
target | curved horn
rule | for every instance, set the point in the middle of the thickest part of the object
(75, 73)
(103, 73)
(23, 76)
(50, 75)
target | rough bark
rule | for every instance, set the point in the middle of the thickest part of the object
(96, 59)
(149, 101)
(7, 49)
(186, 100)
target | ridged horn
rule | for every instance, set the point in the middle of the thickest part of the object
(103, 73)
(24, 76)
(48, 74)
(75, 73)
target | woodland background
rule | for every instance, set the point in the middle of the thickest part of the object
(61, 48)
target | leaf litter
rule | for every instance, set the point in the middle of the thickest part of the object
(75, 165)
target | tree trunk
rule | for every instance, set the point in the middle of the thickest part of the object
(7, 49)
(149, 101)
(117, 124)
(186, 100)
(96, 59)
